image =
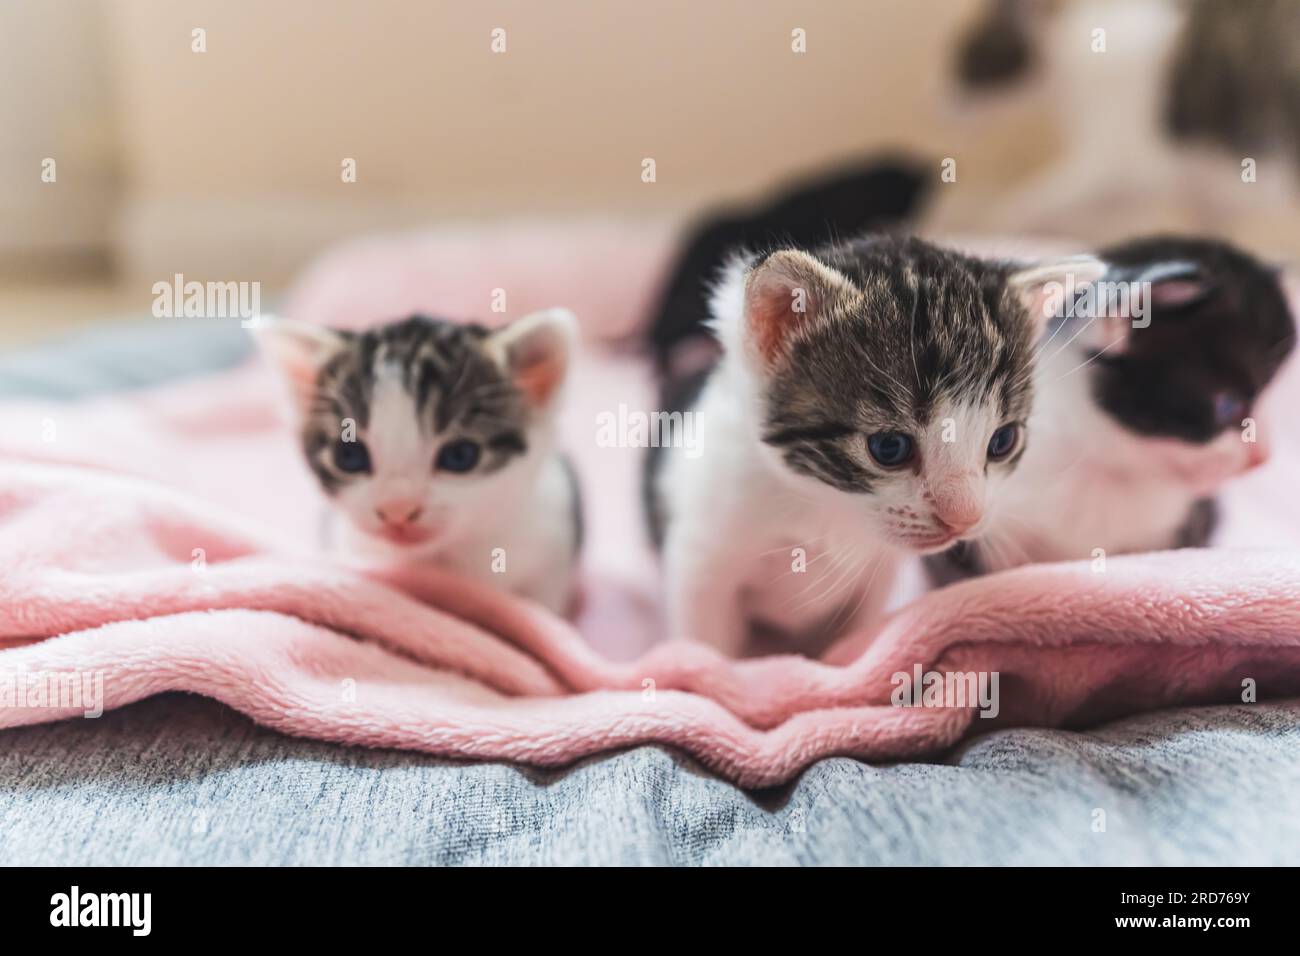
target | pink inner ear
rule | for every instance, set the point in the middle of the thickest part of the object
(536, 369)
(297, 362)
(1176, 292)
(772, 316)
(300, 370)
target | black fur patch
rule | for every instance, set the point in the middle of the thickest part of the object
(677, 395)
(1229, 341)
(846, 202)
(997, 50)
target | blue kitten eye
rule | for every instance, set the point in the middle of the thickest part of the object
(459, 456)
(890, 449)
(1003, 441)
(1229, 409)
(351, 457)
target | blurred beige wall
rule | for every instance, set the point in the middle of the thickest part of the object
(58, 173)
(226, 164)
(230, 159)
(237, 152)
(561, 120)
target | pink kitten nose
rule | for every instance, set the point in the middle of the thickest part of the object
(954, 526)
(399, 512)
(958, 513)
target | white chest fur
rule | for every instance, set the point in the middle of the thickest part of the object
(744, 547)
(527, 546)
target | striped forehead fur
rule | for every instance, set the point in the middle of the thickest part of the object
(934, 325)
(916, 333)
(453, 384)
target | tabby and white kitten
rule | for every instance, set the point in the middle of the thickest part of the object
(1136, 425)
(870, 401)
(434, 441)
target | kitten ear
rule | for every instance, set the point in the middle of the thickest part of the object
(297, 350)
(783, 293)
(1130, 294)
(1175, 285)
(536, 352)
(1045, 288)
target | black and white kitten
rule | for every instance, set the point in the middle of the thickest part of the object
(1138, 423)
(870, 403)
(434, 441)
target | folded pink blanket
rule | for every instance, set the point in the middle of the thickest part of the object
(166, 540)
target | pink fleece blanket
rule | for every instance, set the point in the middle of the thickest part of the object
(165, 540)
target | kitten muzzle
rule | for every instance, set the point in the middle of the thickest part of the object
(398, 522)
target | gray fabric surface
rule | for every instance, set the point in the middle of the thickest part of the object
(122, 355)
(182, 780)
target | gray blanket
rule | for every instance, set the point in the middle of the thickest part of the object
(182, 780)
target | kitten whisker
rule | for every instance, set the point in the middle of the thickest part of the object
(866, 592)
(843, 559)
(1089, 361)
(853, 571)
(1081, 330)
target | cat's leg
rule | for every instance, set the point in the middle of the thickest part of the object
(1196, 530)
(535, 560)
(552, 587)
(533, 553)
(871, 596)
(703, 589)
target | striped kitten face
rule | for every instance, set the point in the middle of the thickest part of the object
(899, 374)
(415, 429)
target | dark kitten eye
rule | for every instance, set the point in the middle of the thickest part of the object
(1003, 441)
(351, 457)
(890, 449)
(459, 456)
(1229, 409)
